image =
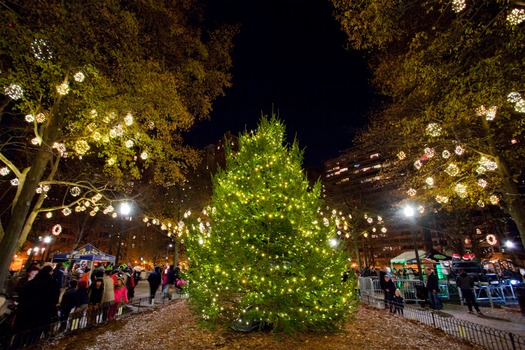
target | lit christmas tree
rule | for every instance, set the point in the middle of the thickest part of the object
(264, 250)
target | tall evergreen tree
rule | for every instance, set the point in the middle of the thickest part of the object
(264, 249)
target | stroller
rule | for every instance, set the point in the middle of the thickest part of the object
(422, 295)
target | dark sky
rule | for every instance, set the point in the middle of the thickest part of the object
(289, 57)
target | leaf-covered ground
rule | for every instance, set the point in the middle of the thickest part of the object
(173, 327)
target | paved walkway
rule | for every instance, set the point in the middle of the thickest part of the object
(505, 317)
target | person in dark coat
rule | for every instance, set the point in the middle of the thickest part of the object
(433, 289)
(69, 302)
(154, 280)
(37, 304)
(389, 289)
(96, 298)
(399, 302)
(466, 284)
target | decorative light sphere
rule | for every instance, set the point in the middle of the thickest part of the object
(15, 182)
(459, 150)
(514, 97)
(63, 89)
(411, 192)
(66, 211)
(433, 129)
(458, 5)
(144, 155)
(41, 50)
(4, 171)
(128, 119)
(49, 215)
(452, 169)
(29, 118)
(75, 191)
(79, 77)
(40, 118)
(14, 91)
(516, 16)
(461, 190)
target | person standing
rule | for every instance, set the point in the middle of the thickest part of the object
(96, 298)
(37, 304)
(389, 289)
(59, 274)
(154, 280)
(70, 299)
(109, 295)
(433, 289)
(466, 284)
(120, 294)
(399, 302)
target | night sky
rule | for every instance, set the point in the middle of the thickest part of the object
(290, 58)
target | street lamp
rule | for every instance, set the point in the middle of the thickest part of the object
(410, 214)
(46, 240)
(124, 210)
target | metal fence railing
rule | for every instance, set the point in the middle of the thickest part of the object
(487, 337)
(78, 320)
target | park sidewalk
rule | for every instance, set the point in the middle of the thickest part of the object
(506, 318)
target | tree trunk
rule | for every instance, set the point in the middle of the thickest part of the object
(22, 207)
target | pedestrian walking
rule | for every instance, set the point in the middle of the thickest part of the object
(154, 280)
(466, 284)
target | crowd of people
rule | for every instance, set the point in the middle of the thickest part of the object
(47, 294)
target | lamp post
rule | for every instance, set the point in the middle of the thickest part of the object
(47, 240)
(124, 210)
(410, 214)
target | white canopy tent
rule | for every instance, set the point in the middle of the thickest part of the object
(407, 257)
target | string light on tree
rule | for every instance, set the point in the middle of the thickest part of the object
(4, 171)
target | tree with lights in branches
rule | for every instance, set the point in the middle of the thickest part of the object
(94, 96)
(453, 121)
(263, 249)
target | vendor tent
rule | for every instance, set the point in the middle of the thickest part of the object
(88, 253)
(406, 257)
(433, 254)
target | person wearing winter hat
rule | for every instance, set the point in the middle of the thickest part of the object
(96, 298)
